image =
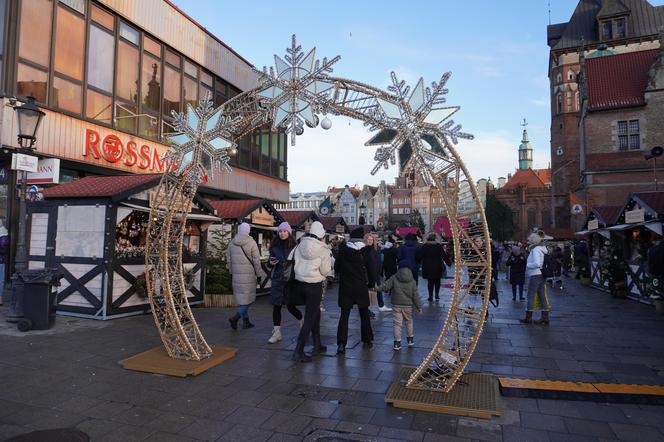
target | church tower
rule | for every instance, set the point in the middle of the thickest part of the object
(525, 150)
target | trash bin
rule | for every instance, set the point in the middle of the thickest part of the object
(38, 298)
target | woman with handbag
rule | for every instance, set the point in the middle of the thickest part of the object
(313, 263)
(244, 262)
(278, 261)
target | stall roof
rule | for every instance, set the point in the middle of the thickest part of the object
(607, 215)
(240, 209)
(654, 200)
(330, 222)
(559, 232)
(116, 187)
(296, 218)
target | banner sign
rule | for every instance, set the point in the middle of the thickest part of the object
(48, 172)
(634, 216)
(593, 224)
(27, 163)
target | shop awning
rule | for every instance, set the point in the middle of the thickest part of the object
(622, 227)
(196, 216)
(605, 233)
(655, 226)
(582, 232)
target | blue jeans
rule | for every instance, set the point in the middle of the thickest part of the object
(535, 285)
(244, 311)
(2, 282)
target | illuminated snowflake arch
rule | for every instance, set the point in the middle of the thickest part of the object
(411, 126)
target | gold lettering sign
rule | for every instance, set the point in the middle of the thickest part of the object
(262, 217)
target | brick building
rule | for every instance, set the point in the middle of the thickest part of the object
(527, 193)
(597, 28)
(400, 201)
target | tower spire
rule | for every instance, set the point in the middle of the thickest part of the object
(525, 149)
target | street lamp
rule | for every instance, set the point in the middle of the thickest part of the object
(362, 219)
(29, 117)
(655, 152)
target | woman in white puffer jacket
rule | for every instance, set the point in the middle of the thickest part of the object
(536, 282)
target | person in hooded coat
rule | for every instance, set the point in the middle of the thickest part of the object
(517, 266)
(244, 262)
(351, 266)
(374, 269)
(313, 263)
(279, 251)
(390, 260)
(434, 259)
(411, 253)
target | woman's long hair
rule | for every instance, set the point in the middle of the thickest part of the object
(290, 242)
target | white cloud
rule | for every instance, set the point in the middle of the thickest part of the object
(336, 156)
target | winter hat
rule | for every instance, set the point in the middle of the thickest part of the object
(411, 237)
(357, 233)
(403, 264)
(285, 227)
(317, 229)
(244, 229)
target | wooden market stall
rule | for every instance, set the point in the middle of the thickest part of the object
(597, 233)
(299, 220)
(334, 225)
(262, 216)
(638, 224)
(93, 231)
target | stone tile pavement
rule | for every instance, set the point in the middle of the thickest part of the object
(68, 376)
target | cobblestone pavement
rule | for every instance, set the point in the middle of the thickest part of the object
(69, 376)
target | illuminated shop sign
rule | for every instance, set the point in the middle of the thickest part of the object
(118, 149)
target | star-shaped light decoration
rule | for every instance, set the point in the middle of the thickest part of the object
(413, 123)
(204, 140)
(297, 90)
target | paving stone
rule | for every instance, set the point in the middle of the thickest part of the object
(207, 429)
(286, 423)
(171, 422)
(241, 433)
(319, 424)
(587, 427)
(479, 429)
(433, 437)
(280, 402)
(124, 433)
(393, 417)
(355, 427)
(280, 437)
(316, 408)
(136, 415)
(353, 413)
(435, 423)
(566, 437)
(401, 434)
(636, 433)
(249, 416)
(519, 434)
(371, 386)
(539, 421)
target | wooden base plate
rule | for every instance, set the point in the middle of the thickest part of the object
(157, 361)
(475, 395)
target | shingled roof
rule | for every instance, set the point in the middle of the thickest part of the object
(114, 186)
(607, 215)
(330, 222)
(531, 178)
(619, 80)
(296, 218)
(644, 20)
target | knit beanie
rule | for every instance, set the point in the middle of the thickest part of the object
(317, 229)
(244, 229)
(285, 227)
(357, 233)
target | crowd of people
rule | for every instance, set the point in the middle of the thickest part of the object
(365, 267)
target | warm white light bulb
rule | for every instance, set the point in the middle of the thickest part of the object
(326, 123)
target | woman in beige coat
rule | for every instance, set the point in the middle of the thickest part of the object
(243, 261)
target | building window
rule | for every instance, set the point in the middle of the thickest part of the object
(559, 103)
(35, 46)
(606, 30)
(621, 30)
(629, 137)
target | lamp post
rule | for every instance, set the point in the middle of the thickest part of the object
(362, 219)
(29, 117)
(655, 152)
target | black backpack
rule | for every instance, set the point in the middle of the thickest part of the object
(549, 266)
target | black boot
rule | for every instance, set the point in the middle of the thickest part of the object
(319, 348)
(246, 323)
(234, 320)
(341, 349)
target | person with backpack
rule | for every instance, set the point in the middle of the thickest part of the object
(539, 267)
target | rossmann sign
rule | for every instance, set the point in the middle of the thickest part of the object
(123, 151)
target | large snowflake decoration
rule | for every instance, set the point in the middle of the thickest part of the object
(296, 91)
(204, 141)
(413, 123)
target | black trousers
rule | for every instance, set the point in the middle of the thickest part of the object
(432, 284)
(276, 313)
(365, 326)
(514, 286)
(313, 292)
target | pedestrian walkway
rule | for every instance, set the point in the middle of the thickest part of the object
(69, 376)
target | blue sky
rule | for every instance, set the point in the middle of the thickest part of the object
(496, 51)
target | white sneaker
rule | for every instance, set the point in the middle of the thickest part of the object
(276, 335)
(301, 321)
(322, 308)
(384, 309)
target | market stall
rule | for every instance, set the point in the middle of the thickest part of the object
(334, 225)
(93, 231)
(262, 216)
(596, 231)
(638, 225)
(299, 220)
